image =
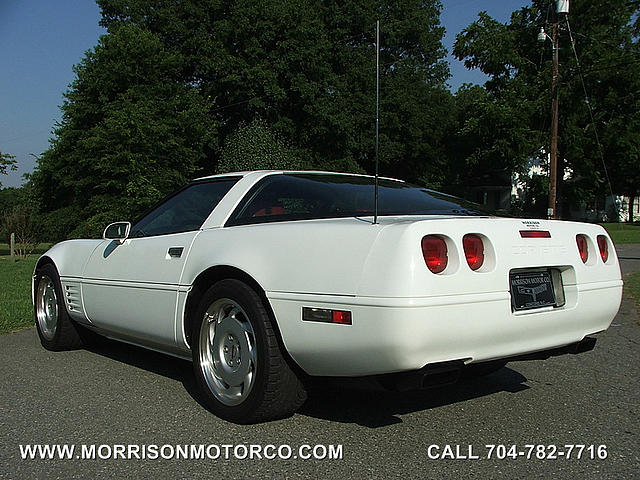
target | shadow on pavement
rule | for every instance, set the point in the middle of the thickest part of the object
(154, 362)
(378, 408)
(344, 402)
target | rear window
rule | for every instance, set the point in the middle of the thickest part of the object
(286, 197)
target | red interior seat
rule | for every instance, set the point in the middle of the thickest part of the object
(267, 211)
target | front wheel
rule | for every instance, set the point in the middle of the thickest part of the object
(55, 329)
(237, 360)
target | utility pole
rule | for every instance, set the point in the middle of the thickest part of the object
(562, 7)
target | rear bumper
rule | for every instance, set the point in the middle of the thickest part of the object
(446, 373)
(402, 334)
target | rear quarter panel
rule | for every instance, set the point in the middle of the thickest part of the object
(320, 257)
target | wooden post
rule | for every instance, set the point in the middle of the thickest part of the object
(13, 245)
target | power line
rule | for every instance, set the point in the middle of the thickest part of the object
(546, 22)
(612, 65)
(593, 122)
(603, 42)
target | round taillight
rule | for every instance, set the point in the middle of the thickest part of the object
(603, 246)
(473, 250)
(434, 251)
(581, 240)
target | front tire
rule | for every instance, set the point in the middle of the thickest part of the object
(237, 361)
(55, 329)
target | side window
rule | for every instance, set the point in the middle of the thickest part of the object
(185, 211)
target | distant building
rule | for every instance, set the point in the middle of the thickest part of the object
(610, 208)
(492, 189)
(623, 208)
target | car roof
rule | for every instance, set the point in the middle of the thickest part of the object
(264, 173)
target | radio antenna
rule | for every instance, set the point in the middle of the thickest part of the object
(375, 199)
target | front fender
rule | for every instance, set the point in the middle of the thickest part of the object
(69, 258)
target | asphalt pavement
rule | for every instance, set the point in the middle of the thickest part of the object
(115, 394)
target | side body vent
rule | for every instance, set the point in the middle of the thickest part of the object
(71, 292)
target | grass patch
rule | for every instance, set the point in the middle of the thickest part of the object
(632, 287)
(623, 232)
(16, 311)
(40, 249)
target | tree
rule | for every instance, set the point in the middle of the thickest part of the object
(609, 64)
(7, 161)
(257, 147)
(19, 220)
(308, 70)
(493, 138)
(10, 197)
(131, 131)
(175, 87)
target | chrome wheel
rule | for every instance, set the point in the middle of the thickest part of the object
(228, 356)
(47, 307)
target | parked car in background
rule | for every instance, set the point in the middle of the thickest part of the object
(264, 279)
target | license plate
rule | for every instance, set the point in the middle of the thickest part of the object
(531, 290)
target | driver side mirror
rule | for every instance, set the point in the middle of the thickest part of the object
(117, 231)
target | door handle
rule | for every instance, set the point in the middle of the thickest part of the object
(175, 252)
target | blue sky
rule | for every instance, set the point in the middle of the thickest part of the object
(41, 40)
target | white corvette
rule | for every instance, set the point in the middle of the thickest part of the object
(266, 278)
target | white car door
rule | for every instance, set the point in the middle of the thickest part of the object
(130, 288)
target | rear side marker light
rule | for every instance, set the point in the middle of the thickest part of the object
(603, 246)
(434, 251)
(535, 234)
(473, 251)
(342, 317)
(583, 248)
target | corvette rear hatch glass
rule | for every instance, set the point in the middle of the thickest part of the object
(306, 196)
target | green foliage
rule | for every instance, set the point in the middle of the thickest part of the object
(19, 220)
(518, 92)
(21, 199)
(177, 88)
(59, 224)
(534, 202)
(257, 147)
(492, 139)
(308, 70)
(131, 131)
(7, 161)
(10, 197)
(5, 249)
(94, 226)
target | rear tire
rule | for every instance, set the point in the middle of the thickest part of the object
(238, 365)
(56, 330)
